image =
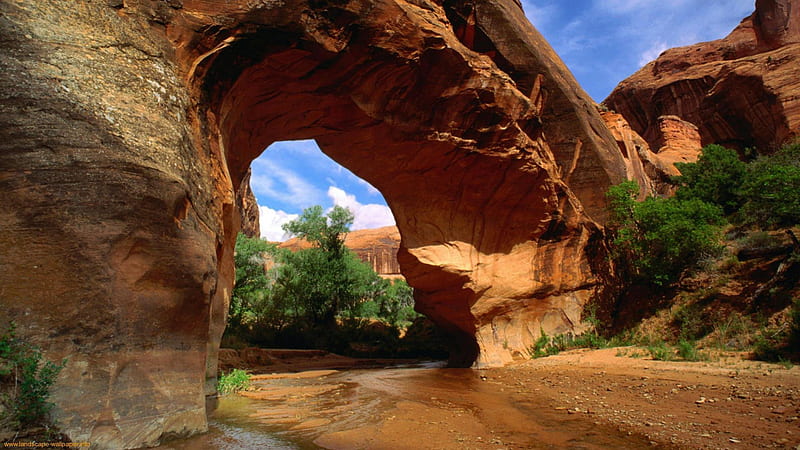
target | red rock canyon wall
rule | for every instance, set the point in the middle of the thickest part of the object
(740, 91)
(127, 128)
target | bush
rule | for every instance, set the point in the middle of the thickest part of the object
(234, 381)
(539, 349)
(661, 352)
(24, 366)
(772, 189)
(687, 350)
(656, 240)
(758, 240)
(549, 346)
(715, 178)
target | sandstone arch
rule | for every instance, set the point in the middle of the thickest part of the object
(127, 126)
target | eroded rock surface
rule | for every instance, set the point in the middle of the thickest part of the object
(377, 247)
(248, 208)
(740, 91)
(676, 140)
(127, 128)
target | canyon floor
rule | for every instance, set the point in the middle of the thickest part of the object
(729, 402)
(589, 399)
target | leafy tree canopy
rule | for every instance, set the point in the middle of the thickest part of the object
(715, 178)
(771, 189)
(324, 231)
(659, 238)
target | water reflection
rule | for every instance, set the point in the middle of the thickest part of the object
(412, 407)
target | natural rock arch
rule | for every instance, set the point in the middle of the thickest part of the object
(136, 120)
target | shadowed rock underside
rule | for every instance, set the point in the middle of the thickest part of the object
(127, 129)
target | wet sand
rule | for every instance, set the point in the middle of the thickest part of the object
(579, 399)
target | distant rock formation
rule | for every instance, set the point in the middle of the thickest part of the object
(740, 91)
(377, 247)
(676, 141)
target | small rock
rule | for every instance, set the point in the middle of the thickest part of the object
(780, 410)
(700, 401)
(734, 441)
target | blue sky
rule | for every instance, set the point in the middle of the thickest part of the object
(601, 41)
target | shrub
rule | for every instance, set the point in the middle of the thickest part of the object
(549, 346)
(661, 351)
(757, 240)
(539, 348)
(687, 350)
(733, 332)
(715, 178)
(771, 189)
(656, 240)
(32, 377)
(234, 381)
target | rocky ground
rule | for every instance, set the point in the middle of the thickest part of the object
(608, 398)
(726, 403)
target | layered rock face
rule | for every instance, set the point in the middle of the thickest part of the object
(248, 208)
(740, 91)
(127, 129)
(377, 247)
(676, 141)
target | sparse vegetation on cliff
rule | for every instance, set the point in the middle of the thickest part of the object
(26, 378)
(742, 292)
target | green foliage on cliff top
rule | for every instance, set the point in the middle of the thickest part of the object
(715, 178)
(771, 189)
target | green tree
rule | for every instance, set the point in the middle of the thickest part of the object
(320, 287)
(327, 280)
(396, 302)
(30, 377)
(659, 238)
(324, 231)
(771, 189)
(251, 290)
(715, 178)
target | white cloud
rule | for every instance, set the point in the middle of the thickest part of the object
(652, 52)
(539, 12)
(271, 220)
(366, 216)
(269, 180)
(370, 188)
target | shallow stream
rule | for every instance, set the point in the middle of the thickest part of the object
(424, 406)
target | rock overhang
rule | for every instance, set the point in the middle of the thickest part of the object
(492, 159)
